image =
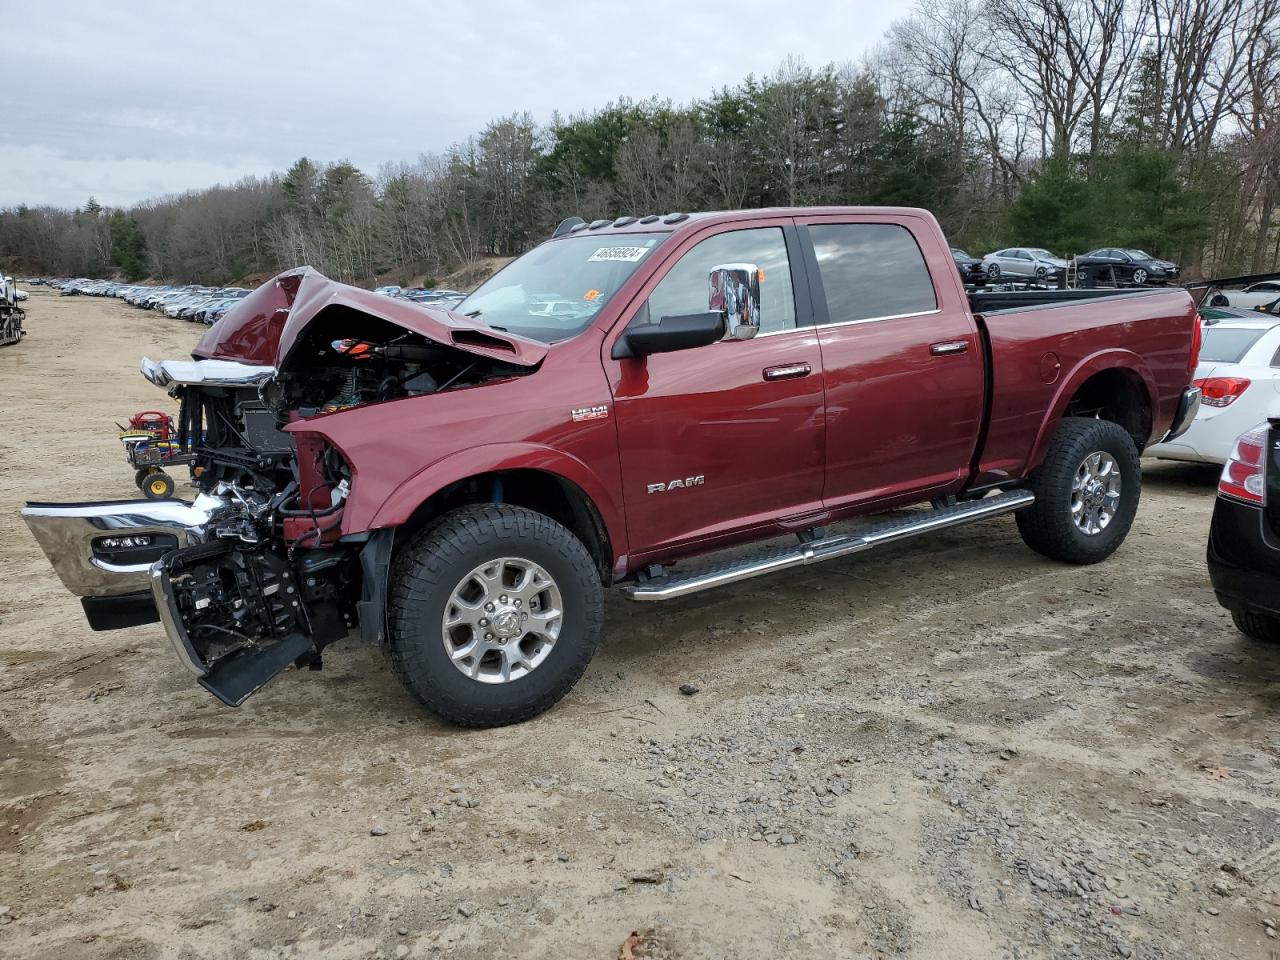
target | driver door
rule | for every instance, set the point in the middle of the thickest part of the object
(724, 438)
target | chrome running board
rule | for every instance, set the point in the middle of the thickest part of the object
(828, 548)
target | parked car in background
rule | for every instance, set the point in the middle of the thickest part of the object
(1239, 378)
(448, 299)
(1244, 535)
(390, 290)
(210, 311)
(1127, 265)
(970, 267)
(1027, 263)
(1260, 294)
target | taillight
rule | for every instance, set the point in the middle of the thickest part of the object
(1221, 391)
(1242, 475)
(1197, 337)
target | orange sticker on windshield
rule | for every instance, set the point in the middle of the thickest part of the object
(591, 295)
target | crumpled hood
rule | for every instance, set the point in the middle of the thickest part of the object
(250, 331)
(274, 317)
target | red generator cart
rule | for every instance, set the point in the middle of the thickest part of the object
(150, 445)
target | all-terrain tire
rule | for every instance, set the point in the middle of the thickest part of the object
(1257, 626)
(423, 579)
(1047, 526)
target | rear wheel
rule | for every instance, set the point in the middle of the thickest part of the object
(1087, 492)
(1257, 626)
(495, 612)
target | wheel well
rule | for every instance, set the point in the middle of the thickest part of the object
(548, 494)
(1118, 395)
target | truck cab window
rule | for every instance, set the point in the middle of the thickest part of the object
(870, 271)
(684, 290)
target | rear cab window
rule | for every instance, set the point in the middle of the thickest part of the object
(871, 271)
(1229, 344)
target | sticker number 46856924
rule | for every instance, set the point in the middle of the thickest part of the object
(625, 254)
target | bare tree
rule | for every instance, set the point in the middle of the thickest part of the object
(1071, 57)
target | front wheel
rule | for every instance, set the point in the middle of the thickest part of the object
(1139, 276)
(495, 612)
(993, 270)
(1042, 274)
(1087, 492)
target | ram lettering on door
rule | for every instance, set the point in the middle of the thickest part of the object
(677, 484)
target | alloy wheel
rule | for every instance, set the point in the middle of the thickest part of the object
(1095, 492)
(502, 620)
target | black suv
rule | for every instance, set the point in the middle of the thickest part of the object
(1244, 537)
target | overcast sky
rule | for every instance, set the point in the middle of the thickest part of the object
(135, 99)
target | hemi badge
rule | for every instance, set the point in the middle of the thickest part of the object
(590, 413)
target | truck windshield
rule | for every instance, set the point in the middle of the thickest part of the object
(554, 291)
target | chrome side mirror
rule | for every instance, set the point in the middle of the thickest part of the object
(734, 293)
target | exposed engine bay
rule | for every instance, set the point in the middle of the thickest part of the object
(347, 360)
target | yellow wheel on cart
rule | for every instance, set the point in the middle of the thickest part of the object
(158, 486)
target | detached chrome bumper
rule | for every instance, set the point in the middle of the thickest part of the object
(106, 549)
(1188, 407)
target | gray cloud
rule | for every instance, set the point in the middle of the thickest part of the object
(133, 100)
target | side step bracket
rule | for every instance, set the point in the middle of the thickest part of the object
(681, 584)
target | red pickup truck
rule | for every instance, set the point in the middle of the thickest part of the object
(461, 486)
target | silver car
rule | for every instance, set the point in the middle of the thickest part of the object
(1024, 263)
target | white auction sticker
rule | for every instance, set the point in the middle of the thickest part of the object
(622, 254)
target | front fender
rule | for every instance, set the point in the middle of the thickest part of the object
(1110, 359)
(415, 491)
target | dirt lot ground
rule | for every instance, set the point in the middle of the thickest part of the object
(953, 749)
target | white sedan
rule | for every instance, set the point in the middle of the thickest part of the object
(1239, 375)
(1258, 294)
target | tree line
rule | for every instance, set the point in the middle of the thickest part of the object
(1067, 124)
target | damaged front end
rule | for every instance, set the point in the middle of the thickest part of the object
(260, 572)
(243, 605)
(238, 600)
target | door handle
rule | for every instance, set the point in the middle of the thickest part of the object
(787, 371)
(948, 347)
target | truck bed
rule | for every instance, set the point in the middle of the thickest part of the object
(1037, 362)
(987, 303)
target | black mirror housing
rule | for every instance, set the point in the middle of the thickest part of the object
(670, 334)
